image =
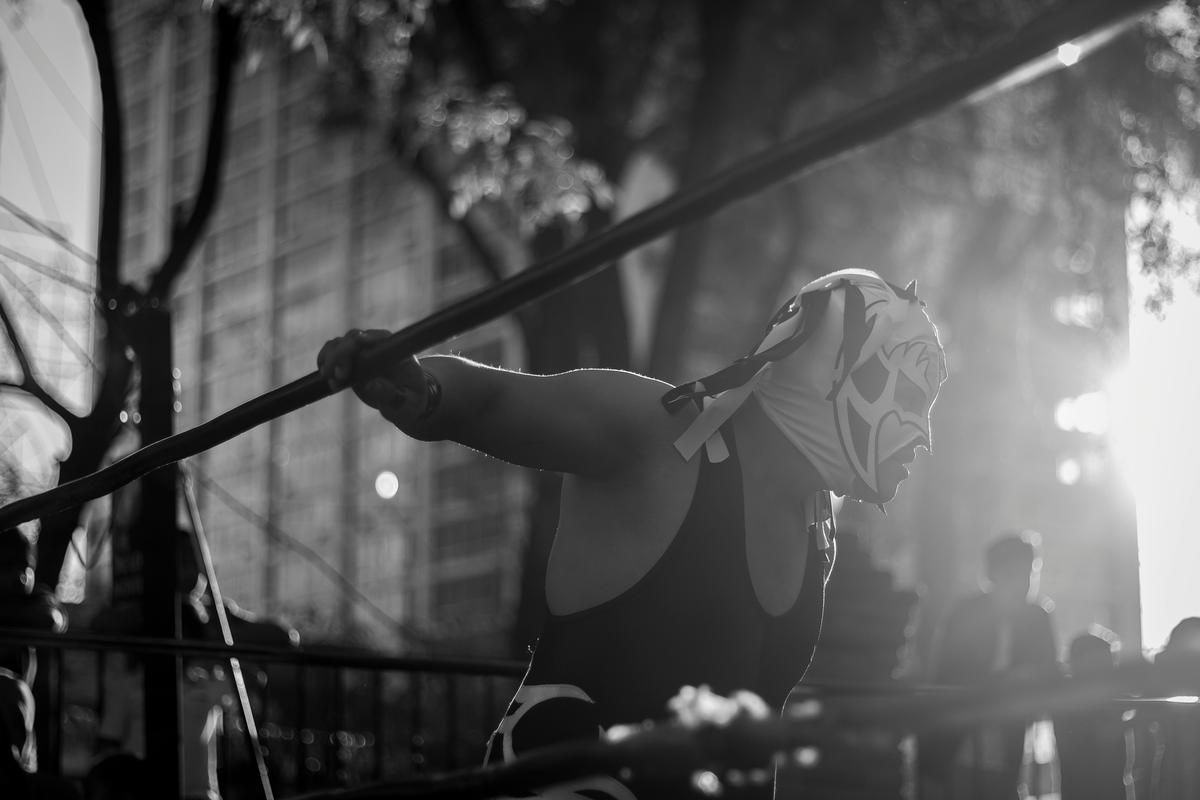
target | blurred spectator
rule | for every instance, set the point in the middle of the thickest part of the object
(18, 761)
(1176, 770)
(204, 694)
(120, 776)
(122, 727)
(1095, 756)
(1003, 633)
(23, 605)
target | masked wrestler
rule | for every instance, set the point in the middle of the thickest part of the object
(695, 532)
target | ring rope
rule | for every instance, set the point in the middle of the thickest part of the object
(218, 600)
(1020, 59)
(745, 744)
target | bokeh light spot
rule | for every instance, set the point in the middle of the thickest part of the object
(387, 484)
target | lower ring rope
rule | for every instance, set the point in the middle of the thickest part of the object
(751, 745)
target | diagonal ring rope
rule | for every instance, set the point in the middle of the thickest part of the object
(1020, 58)
(200, 538)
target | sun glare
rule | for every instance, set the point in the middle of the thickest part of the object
(1156, 437)
(1068, 54)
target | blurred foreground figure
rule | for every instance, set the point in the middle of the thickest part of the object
(696, 531)
(1095, 745)
(32, 607)
(1002, 634)
(1176, 770)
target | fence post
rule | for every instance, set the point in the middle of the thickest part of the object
(155, 538)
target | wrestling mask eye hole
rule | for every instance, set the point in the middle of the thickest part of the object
(909, 396)
(870, 379)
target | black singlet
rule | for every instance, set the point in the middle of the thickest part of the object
(693, 619)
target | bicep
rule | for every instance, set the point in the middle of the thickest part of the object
(587, 422)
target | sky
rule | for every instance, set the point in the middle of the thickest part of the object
(50, 117)
(49, 168)
(1162, 420)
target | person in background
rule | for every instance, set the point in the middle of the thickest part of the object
(1176, 769)
(1004, 633)
(205, 693)
(23, 605)
(1095, 745)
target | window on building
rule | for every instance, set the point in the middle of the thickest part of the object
(137, 117)
(231, 384)
(251, 89)
(187, 73)
(306, 218)
(136, 201)
(454, 262)
(184, 121)
(296, 119)
(240, 238)
(305, 268)
(304, 324)
(472, 536)
(382, 296)
(183, 166)
(381, 244)
(135, 247)
(234, 342)
(467, 596)
(236, 297)
(246, 141)
(474, 480)
(138, 155)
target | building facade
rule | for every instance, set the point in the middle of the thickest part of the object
(328, 516)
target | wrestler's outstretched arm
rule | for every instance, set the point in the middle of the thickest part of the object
(588, 422)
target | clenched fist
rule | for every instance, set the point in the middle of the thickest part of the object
(403, 392)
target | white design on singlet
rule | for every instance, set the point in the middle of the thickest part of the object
(526, 698)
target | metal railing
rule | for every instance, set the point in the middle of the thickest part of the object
(328, 717)
(334, 718)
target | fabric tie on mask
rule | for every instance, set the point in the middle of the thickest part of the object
(847, 371)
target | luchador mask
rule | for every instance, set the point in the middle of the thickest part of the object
(882, 401)
(847, 371)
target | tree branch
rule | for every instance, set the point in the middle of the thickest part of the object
(720, 23)
(15, 338)
(29, 382)
(227, 28)
(40, 308)
(112, 157)
(47, 270)
(112, 395)
(479, 47)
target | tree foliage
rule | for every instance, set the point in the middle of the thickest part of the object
(1160, 139)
